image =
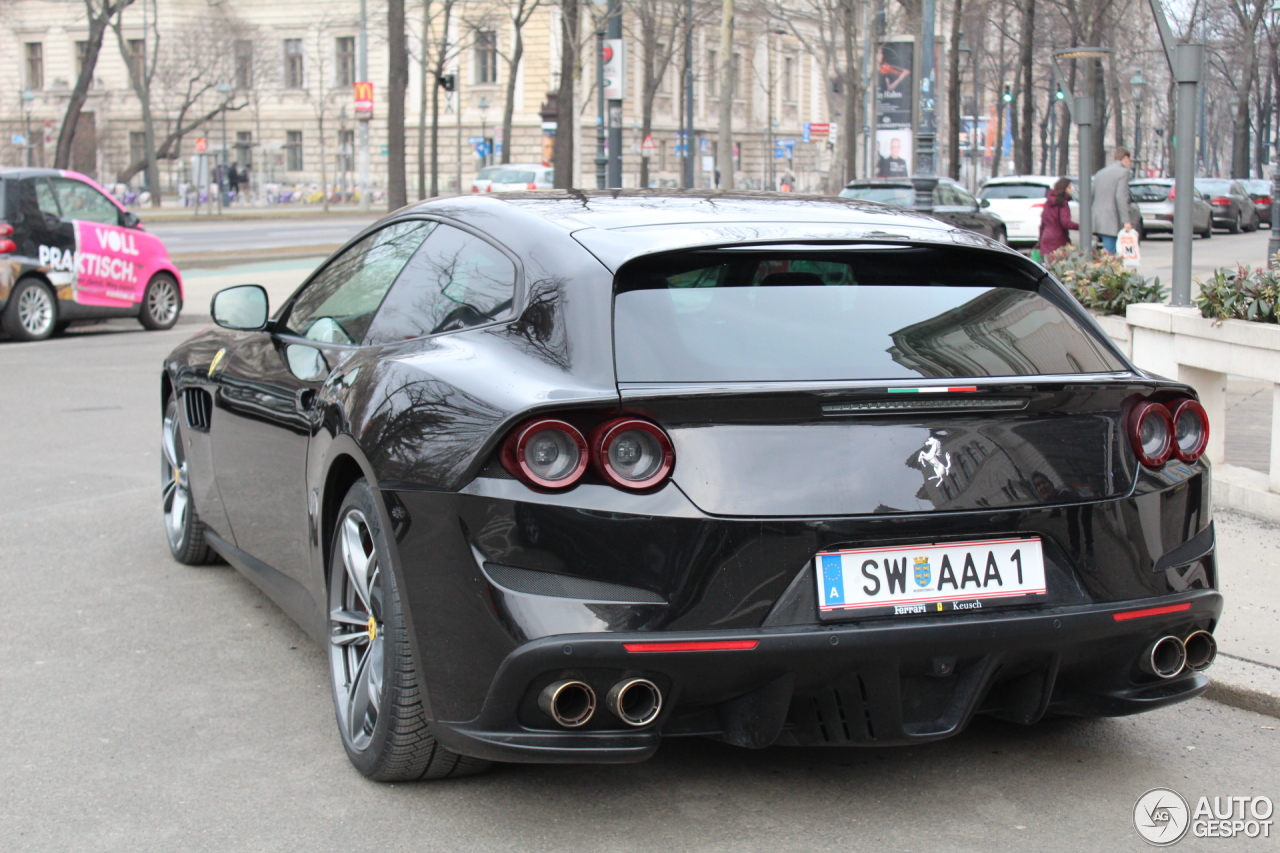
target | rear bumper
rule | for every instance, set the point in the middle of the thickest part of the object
(872, 683)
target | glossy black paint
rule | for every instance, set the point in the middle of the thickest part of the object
(727, 545)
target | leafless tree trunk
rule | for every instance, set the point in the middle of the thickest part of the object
(565, 125)
(397, 83)
(1248, 14)
(99, 13)
(953, 93)
(425, 80)
(724, 159)
(140, 78)
(520, 11)
(1022, 153)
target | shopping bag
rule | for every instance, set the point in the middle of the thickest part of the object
(1036, 256)
(1127, 247)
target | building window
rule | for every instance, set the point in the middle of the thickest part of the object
(293, 150)
(345, 61)
(487, 56)
(82, 50)
(346, 150)
(713, 73)
(244, 64)
(137, 59)
(244, 147)
(293, 64)
(789, 79)
(35, 65)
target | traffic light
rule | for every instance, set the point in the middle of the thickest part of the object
(1060, 95)
(1007, 97)
(448, 82)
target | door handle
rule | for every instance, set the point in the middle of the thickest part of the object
(303, 399)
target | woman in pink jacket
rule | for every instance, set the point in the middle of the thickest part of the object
(1055, 219)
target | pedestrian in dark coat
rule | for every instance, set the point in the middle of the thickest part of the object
(1055, 219)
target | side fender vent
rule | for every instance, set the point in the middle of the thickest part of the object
(199, 407)
(533, 582)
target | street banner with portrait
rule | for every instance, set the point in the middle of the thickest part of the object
(895, 107)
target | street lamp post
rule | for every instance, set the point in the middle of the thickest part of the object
(484, 135)
(925, 178)
(27, 97)
(1081, 109)
(223, 89)
(1186, 62)
(1137, 81)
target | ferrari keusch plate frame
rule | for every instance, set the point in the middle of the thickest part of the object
(932, 578)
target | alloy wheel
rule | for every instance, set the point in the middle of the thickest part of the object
(162, 301)
(35, 311)
(173, 476)
(356, 629)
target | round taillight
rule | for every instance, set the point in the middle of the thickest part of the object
(1151, 433)
(8, 247)
(631, 453)
(546, 454)
(1190, 430)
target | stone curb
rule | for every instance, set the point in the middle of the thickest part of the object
(1244, 684)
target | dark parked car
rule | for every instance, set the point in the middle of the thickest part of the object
(1233, 209)
(951, 203)
(69, 251)
(557, 475)
(1259, 189)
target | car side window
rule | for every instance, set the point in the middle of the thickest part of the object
(81, 201)
(45, 200)
(339, 303)
(963, 197)
(944, 195)
(455, 281)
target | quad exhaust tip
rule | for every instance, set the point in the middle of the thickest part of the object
(635, 701)
(570, 703)
(1164, 658)
(1201, 648)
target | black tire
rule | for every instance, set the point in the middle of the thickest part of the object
(161, 303)
(383, 725)
(1234, 227)
(1208, 231)
(32, 311)
(182, 525)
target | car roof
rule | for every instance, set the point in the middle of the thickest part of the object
(31, 172)
(891, 182)
(618, 225)
(1046, 180)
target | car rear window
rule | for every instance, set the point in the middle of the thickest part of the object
(1214, 186)
(897, 196)
(1149, 192)
(887, 313)
(998, 192)
(513, 176)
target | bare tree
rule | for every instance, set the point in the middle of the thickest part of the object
(659, 23)
(397, 84)
(99, 14)
(570, 69)
(142, 70)
(519, 12)
(1248, 15)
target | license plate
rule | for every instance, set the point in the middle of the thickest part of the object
(933, 578)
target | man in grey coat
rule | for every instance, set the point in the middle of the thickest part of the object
(1111, 199)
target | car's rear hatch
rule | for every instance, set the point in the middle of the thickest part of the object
(873, 380)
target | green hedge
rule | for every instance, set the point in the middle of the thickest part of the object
(1104, 284)
(1240, 294)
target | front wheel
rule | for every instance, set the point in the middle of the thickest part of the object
(160, 303)
(182, 525)
(377, 692)
(32, 313)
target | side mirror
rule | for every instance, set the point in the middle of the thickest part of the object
(129, 219)
(306, 363)
(243, 308)
(985, 203)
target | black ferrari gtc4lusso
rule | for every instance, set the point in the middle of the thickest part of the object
(556, 475)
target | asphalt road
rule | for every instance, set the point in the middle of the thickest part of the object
(149, 706)
(238, 235)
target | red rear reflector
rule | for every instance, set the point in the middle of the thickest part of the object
(1151, 611)
(696, 646)
(7, 246)
(1037, 206)
(531, 186)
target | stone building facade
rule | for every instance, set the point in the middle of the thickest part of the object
(285, 69)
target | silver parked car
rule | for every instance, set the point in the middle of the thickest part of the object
(1155, 197)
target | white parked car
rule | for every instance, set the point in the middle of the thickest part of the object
(512, 177)
(1019, 201)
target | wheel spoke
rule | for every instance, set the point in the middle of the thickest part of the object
(178, 511)
(355, 559)
(349, 617)
(353, 639)
(358, 698)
